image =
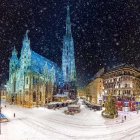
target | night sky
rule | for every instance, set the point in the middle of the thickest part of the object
(105, 32)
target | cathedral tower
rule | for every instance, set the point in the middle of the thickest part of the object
(25, 52)
(14, 62)
(68, 58)
(14, 65)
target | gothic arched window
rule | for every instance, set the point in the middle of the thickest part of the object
(40, 96)
(14, 85)
(27, 80)
(67, 70)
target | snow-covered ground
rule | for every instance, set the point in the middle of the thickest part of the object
(44, 124)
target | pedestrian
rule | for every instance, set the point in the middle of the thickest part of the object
(14, 115)
(5, 106)
(125, 117)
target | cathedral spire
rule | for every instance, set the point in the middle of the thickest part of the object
(68, 23)
(14, 52)
(68, 58)
(26, 35)
(26, 41)
(14, 61)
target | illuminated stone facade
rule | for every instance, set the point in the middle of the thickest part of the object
(32, 77)
(81, 92)
(94, 90)
(123, 81)
(68, 60)
(34, 80)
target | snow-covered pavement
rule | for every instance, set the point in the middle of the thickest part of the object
(44, 124)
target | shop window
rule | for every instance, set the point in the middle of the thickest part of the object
(126, 104)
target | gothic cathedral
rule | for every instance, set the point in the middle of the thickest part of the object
(34, 80)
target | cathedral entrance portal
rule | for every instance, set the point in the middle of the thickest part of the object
(34, 96)
(14, 98)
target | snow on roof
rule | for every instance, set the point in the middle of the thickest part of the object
(74, 106)
(40, 61)
(53, 103)
(61, 95)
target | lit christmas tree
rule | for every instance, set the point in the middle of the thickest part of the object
(110, 108)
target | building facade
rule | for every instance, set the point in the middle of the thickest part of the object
(94, 90)
(81, 92)
(34, 80)
(123, 83)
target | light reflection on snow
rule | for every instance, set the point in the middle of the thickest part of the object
(42, 123)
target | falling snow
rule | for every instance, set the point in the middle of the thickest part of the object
(105, 33)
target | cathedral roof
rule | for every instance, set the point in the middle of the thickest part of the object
(38, 63)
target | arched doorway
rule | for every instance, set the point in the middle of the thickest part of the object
(34, 96)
